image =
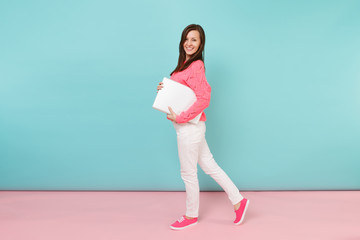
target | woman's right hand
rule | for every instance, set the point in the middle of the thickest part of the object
(160, 86)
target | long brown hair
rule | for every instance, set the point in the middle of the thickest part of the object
(199, 55)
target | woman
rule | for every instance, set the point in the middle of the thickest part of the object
(192, 146)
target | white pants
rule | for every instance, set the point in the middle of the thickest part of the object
(193, 149)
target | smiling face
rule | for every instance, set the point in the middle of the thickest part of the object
(192, 43)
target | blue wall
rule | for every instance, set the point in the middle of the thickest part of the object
(78, 79)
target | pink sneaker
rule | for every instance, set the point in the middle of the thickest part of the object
(240, 213)
(183, 222)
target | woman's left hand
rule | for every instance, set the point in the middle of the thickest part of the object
(172, 115)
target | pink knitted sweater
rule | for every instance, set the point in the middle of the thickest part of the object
(194, 77)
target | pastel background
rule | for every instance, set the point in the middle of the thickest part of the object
(78, 79)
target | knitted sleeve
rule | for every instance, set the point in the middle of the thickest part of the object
(196, 80)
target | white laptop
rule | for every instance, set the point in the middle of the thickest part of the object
(176, 95)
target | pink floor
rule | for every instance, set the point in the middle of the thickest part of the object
(52, 215)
